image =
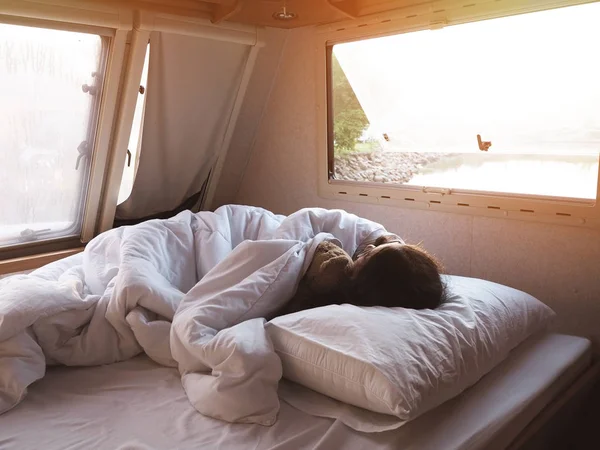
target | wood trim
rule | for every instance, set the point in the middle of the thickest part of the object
(39, 247)
(348, 8)
(80, 14)
(34, 262)
(105, 127)
(126, 109)
(224, 12)
(202, 28)
(53, 25)
(330, 113)
(177, 8)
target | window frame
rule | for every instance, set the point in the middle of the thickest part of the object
(70, 237)
(481, 203)
(140, 131)
(65, 238)
(113, 27)
(128, 28)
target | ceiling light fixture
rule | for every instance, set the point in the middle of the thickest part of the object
(284, 14)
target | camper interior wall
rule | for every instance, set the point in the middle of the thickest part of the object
(556, 263)
(251, 114)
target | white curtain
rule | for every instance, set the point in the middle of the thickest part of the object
(192, 84)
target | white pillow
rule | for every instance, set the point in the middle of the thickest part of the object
(405, 362)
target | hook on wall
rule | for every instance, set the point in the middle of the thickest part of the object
(483, 145)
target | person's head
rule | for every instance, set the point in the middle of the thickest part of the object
(393, 274)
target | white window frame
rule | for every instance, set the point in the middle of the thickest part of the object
(115, 25)
(129, 31)
(423, 17)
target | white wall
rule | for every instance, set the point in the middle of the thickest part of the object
(559, 265)
(257, 95)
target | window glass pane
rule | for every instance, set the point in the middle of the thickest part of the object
(135, 138)
(408, 108)
(49, 90)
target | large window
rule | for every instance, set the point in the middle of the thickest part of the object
(508, 106)
(50, 89)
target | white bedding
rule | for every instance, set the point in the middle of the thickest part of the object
(191, 292)
(138, 405)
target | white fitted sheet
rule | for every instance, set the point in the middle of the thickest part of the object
(139, 405)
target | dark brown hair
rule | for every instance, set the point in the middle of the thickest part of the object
(398, 276)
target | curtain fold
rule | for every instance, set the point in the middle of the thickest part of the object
(192, 84)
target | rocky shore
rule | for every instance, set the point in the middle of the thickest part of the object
(382, 167)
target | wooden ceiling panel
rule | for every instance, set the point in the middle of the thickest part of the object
(311, 12)
(367, 7)
(305, 12)
(261, 12)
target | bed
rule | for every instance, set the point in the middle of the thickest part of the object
(138, 404)
(191, 294)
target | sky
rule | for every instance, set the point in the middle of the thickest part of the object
(528, 83)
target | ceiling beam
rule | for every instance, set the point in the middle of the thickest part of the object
(349, 8)
(223, 12)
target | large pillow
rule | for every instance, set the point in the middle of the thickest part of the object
(404, 362)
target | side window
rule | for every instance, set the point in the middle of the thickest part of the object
(50, 90)
(507, 107)
(135, 139)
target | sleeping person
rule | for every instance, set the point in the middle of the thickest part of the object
(384, 272)
(193, 292)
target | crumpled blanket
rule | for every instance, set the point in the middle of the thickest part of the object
(191, 292)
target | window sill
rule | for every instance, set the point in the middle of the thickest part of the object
(34, 261)
(502, 207)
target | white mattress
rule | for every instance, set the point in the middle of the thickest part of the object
(140, 405)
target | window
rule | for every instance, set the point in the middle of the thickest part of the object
(135, 138)
(503, 108)
(50, 89)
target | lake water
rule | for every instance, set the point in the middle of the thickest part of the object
(573, 176)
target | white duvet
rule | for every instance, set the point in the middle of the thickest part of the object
(191, 292)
